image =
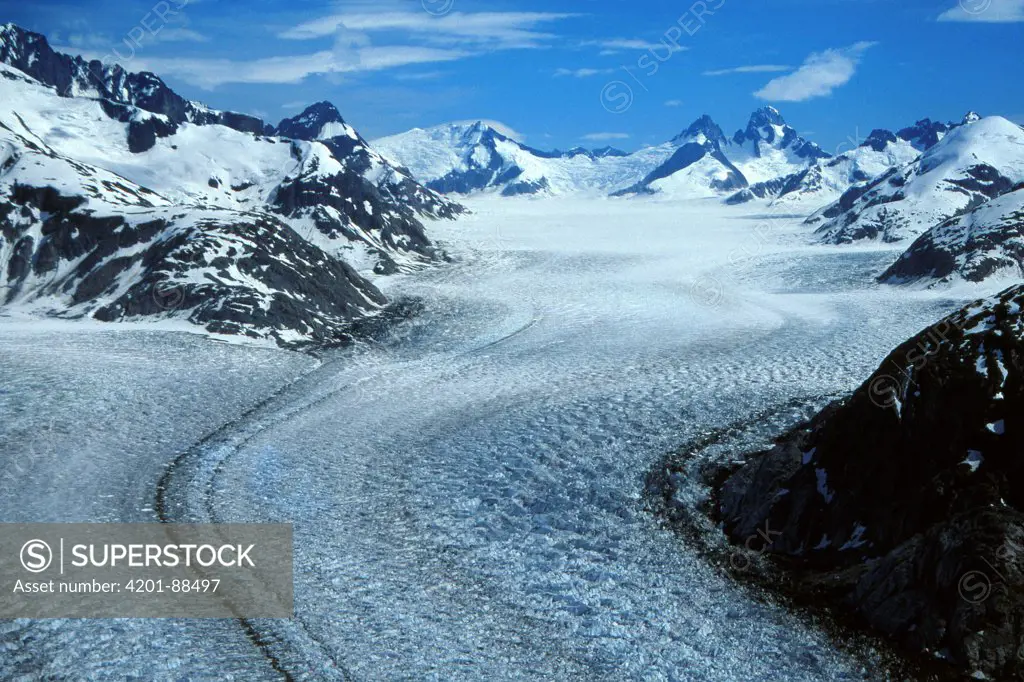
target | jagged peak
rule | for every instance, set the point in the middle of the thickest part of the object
(766, 115)
(318, 121)
(879, 138)
(706, 126)
(319, 112)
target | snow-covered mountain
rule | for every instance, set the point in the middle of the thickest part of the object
(480, 156)
(986, 242)
(707, 163)
(771, 148)
(75, 77)
(828, 178)
(969, 166)
(697, 168)
(460, 158)
(106, 203)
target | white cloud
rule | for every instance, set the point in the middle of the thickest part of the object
(424, 76)
(674, 103)
(180, 35)
(819, 75)
(985, 11)
(754, 68)
(500, 30)
(86, 40)
(211, 73)
(582, 73)
(604, 137)
(616, 44)
(610, 46)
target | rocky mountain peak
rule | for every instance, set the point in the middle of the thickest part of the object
(705, 126)
(924, 134)
(878, 139)
(317, 121)
(766, 116)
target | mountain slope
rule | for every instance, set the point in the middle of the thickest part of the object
(971, 165)
(463, 158)
(79, 241)
(74, 77)
(987, 242)
(192, 153)
(697, 168)
(903, 500)
(107, 206)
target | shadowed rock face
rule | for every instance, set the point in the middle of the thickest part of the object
(904, 502)
(309, 124)
(168, 263)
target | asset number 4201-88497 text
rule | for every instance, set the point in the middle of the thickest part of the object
(140, 585)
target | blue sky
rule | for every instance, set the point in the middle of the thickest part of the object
(561, 73)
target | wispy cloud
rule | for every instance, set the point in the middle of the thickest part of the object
(85, 41)
(180, 35)
(614, 45)
(819, 75)
(582, 73)
(674, 103)
(422, 39)
(211, 73)
(498, 30)
(423, 76)
(753, 68)
(611, 46)
(604, 137)
(986, 11)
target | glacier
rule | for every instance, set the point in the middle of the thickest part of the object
(468, 491)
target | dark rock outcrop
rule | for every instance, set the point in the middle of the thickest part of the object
(525, 187)
(904, 503)
(169, 262)
(925, 134)
(879, 139)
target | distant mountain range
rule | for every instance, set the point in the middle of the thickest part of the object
(120, 199)
(892, 187)
(701, 161)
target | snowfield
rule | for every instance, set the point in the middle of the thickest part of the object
(467, 496)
